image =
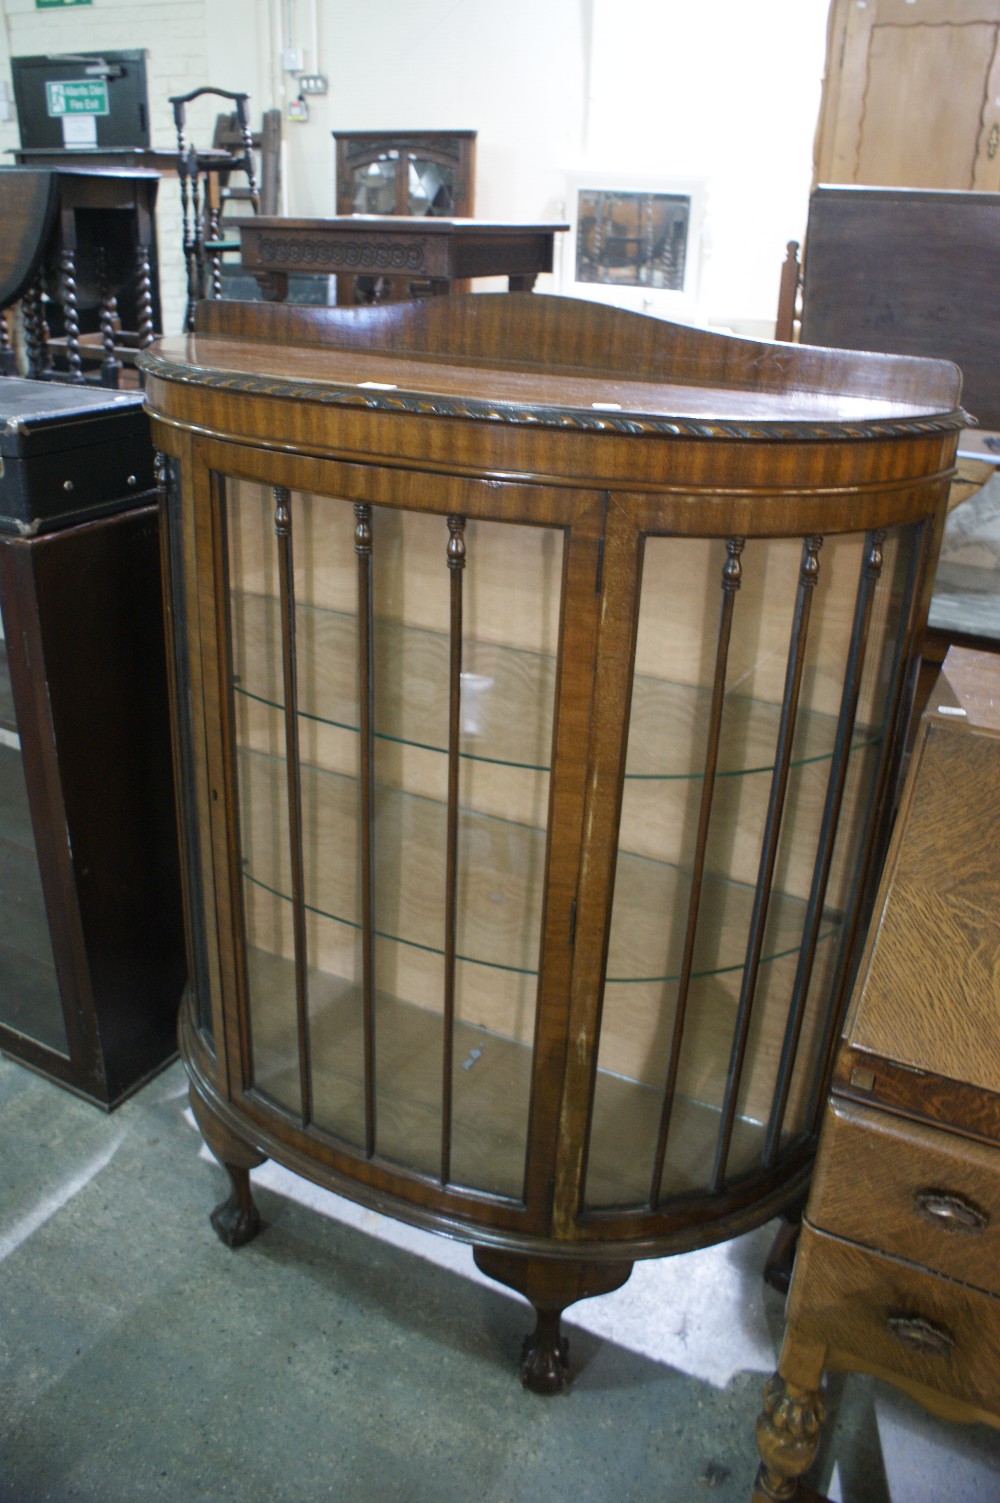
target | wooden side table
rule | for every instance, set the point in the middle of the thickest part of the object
(440, 252)
(76, 241)
(898, 1267)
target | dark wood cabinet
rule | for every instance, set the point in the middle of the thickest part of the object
(91, 939)
(543, 674)
(406, 172)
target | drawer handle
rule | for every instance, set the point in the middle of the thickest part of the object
(952, 1212)
(923, 1335)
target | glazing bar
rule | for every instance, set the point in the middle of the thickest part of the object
(843, 975)
(871, 569)
(456, 564)
(286, 592)
(808, 575)
(732, 573)
(366, 774)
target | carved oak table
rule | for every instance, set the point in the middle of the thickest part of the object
(541, 681)
(436, 251)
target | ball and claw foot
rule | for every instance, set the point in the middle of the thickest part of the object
(545, 1356)
(237, 1220)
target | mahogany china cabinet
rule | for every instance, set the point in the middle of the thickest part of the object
(541, 676)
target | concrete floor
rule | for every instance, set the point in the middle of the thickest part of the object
(343, 1357)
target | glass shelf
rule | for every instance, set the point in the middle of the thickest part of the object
(490, 1087)
(501, 867)
(626, 1121)
(669, 721)
(411, 683)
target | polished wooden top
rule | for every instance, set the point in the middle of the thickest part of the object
(575, 394)
(372, 378)
(556, 362)
(155, 159)
(401, 224)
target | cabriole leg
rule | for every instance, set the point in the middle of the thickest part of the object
(236, 1219)
(550, 1284)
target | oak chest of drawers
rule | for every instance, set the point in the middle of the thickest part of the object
(898, 1267)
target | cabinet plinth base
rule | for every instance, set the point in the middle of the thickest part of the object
(236, 1219)
(550, 1284)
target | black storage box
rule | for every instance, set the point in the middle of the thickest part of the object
(69, 453)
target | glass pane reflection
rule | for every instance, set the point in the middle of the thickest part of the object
(505, 704)
(30, 1000)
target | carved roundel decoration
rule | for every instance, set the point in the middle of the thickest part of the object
(349, 255)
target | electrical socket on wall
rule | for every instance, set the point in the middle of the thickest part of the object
(293, 60)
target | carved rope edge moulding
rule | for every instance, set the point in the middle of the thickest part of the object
(576, 418)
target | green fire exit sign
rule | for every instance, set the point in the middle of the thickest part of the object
(58, 4)
(78, 97)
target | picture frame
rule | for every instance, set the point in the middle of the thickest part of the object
(635, 242)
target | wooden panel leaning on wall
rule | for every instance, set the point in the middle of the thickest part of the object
(910, 95)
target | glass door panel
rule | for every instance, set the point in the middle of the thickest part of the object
(431, 187)
(755, 740)
(30, 1001)
(393, 1000)
(375, 185)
